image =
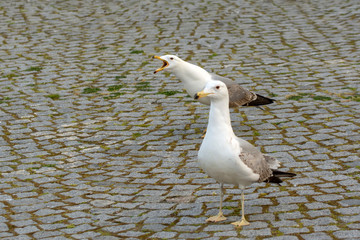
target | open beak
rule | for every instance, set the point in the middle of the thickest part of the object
(201, 94)
(165, 64)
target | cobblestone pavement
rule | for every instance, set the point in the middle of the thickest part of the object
(95, 146)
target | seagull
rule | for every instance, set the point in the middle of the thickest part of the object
(227, 158)
(195, 78)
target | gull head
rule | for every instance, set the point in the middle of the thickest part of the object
(169, 62)
(213, 90)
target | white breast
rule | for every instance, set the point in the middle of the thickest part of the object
(223, 164)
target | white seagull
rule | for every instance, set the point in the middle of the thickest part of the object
(227, 158)
(195, 78)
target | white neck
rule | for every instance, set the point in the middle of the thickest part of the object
(190, 72)
(219, 117)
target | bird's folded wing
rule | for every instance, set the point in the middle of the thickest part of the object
(238, 95)
(272, 162)
(258, 166)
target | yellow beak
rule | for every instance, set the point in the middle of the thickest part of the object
(165, 64)
(201, 94)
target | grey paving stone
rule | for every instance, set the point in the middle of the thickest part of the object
(3, 227)
(46, 234)
(283, 238)
(350, 202)
(26, 229)
(317, 213)
(257, 232)
(105, 238)
(292, 230)
(326, 228)
(164, 235)
(20, 237)
(193, 235)
(347, 234)
(154, 227)
(348, 210)
(322, 236)
(350, 219)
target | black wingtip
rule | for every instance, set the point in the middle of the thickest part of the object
(196, 96)
(261, 100)
(279, 173)
(275, 178)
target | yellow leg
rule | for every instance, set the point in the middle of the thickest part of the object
(243, 221)
(204, 133)
(220, 216)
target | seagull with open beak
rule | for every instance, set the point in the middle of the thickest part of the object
(194, 79)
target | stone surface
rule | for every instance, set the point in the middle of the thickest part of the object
(93, 145)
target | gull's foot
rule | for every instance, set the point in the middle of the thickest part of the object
(243, 222)
(217, 218)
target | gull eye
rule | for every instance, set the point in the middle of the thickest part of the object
(171, 58)
(217, 87)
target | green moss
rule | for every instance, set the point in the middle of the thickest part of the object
(136, 51)
(213, 55)
(144, 63)
(321, 98)
(279, 123)
(169, 93)
(256, 133)
(10, 75)
(103, 233)
(228, 207)
(351, 88)
(277, 233)
(143, 125)
(53, 96)
(105, 147)
(36, 69)
(198, 131)
(315, 97)
(295, 97)
(119, 77)
(113, 88)
(143, 86)
(135, 135)
(48, 165)
(90, 90)
(355, 97)
(169, 133)
(114, 95)
(2, 100)
(70, 226)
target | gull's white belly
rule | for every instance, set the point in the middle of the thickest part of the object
(225, 166)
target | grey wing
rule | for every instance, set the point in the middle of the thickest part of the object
(272, 162)
(238, 95)
(255, 160)
(225, 80)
